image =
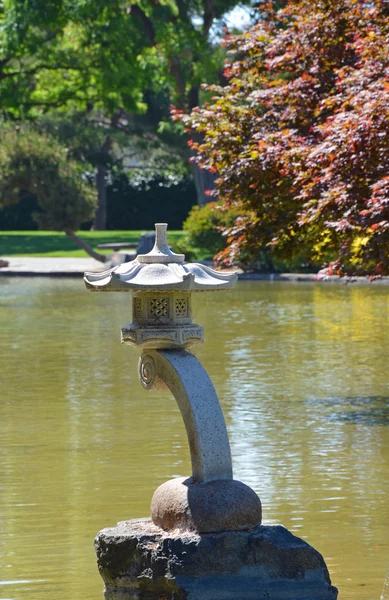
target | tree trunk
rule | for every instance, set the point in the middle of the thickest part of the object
(100, 222)
(84, 246)
(204, 180)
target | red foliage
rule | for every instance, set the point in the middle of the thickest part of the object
(300, 135)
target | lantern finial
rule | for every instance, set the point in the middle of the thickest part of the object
(161, 252)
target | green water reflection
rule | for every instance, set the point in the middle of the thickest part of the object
(302, 374)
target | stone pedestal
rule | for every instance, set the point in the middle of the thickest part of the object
(139, 561)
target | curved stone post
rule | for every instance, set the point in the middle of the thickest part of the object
(193, 390)
(210, 500)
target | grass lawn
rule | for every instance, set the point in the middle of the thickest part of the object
(52, 243)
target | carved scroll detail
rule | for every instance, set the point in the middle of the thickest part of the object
(147, 371)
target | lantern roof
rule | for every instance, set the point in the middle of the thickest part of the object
(160, 270)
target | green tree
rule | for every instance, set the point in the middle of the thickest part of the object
(33, 163)
(71, 57)
(300, 135)
(102, 56)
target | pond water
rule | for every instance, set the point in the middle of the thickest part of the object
(302, 374)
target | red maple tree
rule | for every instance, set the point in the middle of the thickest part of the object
(300, 135)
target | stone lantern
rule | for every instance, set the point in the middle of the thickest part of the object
(205, 539)
(162, 284)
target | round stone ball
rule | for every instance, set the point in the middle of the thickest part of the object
(220, 505)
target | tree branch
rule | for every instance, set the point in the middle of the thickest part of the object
(148, 27)
(182, 12)
(175, 70)
(86, 247)
(208, 16)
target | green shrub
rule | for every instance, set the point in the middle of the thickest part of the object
(34, 164)
(204, 239)
(203, 227)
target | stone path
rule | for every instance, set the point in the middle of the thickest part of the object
(49, 267)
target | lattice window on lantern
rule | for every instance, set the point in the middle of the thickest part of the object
(159, 307)
(138, 307)
(181, 307)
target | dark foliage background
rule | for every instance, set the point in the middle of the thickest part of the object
(129, 206)
(141, 207)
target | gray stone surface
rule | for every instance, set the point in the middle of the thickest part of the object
(205, 507)
(197, 400)
(138, 560)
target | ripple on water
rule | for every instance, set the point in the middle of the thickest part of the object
(359, 410)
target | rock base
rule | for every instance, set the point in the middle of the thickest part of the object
(139, 561)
